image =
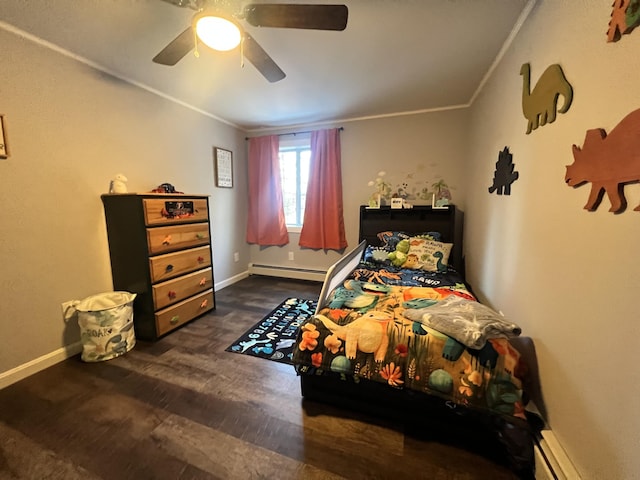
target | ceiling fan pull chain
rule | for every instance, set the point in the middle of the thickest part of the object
(195, 42)
(242, 52)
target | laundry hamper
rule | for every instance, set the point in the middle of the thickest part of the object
(106, 325)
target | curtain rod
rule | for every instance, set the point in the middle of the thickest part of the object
(295, 133)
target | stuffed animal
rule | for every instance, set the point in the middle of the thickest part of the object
(399, 256)
(165, 188)
(118, 184)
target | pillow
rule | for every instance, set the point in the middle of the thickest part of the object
(389, 239)
(427, 255)
(376, 255)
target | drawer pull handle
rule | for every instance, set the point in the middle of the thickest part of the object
(171, 294)
(204, 303)
(174, 320)
(200, 236)
(169, 268)
(167, 240)
(203, 281)
(200, 259)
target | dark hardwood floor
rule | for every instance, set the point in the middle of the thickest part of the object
(183, 408)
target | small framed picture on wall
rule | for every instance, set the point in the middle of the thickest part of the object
(4, 147)
(223, 163)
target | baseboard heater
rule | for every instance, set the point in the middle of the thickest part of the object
(552, 462)
(287, 272)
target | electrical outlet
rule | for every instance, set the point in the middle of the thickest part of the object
(236, 257)
(69, 311)
(290, 255)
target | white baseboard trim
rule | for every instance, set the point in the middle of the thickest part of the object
(232, 280)
(36, 365)
(552, 462)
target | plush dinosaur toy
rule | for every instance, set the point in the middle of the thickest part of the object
(399, 256)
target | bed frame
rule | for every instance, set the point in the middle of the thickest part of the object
(416, 220)
(378, 400)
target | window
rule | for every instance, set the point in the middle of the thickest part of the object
(295, 155)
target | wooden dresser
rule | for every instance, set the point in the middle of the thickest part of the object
(160, 247)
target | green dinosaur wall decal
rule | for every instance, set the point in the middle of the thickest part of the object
(539, 105)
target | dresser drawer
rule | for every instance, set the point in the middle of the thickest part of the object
(173, 291)
(170, 265)
(180, 313)
(177, 237)
(165, 211)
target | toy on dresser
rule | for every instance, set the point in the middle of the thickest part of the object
(118, 184)
(165, 188)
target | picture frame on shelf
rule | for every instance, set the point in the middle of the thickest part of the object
(4, 146)
(223, 163)
(374, 201)
(397, 202)
(442, 203)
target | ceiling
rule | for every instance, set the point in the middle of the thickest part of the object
(394, 57)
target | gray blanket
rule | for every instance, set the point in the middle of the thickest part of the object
(467, 321)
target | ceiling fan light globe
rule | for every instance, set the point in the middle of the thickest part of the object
(218, 33)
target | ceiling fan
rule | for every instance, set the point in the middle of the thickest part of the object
(215, 16)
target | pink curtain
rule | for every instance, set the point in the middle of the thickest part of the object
(323, 225)
(266, 223)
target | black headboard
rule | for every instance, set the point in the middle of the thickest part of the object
(419, 219)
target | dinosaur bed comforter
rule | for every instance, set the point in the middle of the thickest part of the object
(418, 330)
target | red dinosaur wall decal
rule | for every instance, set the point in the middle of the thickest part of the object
(625, 16)
(608, 162)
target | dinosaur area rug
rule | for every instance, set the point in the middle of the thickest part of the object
(273, 337)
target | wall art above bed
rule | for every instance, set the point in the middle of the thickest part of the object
(539, 105)
(625, 16)
(608, 162)
(414, 186)
(504, 174)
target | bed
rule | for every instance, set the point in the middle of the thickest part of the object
(398, 333)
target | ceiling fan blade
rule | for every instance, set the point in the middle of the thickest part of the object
(192, 4)
(284, 15)
(261, 60)
(177, 48)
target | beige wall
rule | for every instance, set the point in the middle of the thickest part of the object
(71, 128)
(428, 146)
(570, 277)
(563, 273)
